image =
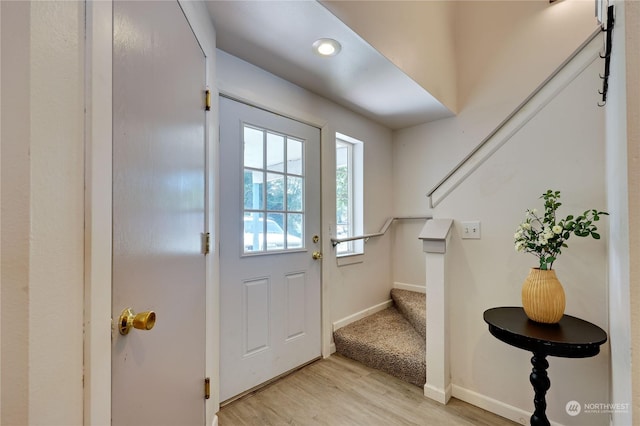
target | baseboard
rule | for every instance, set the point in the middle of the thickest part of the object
(493, 405)
(359, 315)
(439, 395)
(215, 421)
(332, 348)
(411, 287)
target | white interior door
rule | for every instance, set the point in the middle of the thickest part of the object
(158, 215)
(270, 222)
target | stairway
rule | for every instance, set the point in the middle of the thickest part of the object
(392, 340)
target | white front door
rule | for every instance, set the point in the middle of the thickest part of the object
(270, 223)
(158, 215)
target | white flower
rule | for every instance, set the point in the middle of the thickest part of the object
(517, 235)
(520, 246)
(548, 233)
(557, 229)
(542, 240)
(526, 226)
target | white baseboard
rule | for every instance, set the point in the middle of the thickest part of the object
(493, 405)
(411, 287)
(332, 348)
(359, 315)
(439, 395)
(215, 421)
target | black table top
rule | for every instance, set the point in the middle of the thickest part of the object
(570, 338)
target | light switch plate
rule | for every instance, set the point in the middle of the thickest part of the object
(471, 230)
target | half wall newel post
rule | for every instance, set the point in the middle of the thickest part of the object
(435, 237)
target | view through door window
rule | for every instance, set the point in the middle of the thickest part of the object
(273, 213)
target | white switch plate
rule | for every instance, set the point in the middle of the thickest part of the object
(471, 230)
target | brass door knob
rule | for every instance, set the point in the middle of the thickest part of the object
(141, 321)
(316, 255)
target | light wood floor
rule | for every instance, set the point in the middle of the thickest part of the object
(338, 391)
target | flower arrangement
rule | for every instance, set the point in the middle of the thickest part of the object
(546, 236)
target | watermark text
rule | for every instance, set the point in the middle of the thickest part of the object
(573, 407)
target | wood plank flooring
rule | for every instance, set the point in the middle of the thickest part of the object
(338, 391)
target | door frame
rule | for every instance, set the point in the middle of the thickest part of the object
(98, 205)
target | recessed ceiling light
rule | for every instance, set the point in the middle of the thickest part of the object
(326, 47)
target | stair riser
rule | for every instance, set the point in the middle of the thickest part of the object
(412, 305)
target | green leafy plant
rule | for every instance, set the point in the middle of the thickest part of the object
(545, 236)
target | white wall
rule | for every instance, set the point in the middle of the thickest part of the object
(528, 40)
(0, 213)
(632, 41)
(622, 123)
(15, 221)
(346, 289)
(42, 202)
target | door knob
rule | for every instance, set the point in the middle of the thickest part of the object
(316, 255)
(141, 321)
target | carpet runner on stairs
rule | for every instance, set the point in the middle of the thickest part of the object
(392, 340)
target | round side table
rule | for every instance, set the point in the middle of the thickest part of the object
(570, 338)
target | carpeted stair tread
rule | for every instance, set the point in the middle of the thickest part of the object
(412, 305)
(385, 341)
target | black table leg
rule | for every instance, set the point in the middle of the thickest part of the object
(541, 384)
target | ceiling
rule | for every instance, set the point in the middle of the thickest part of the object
(277, 36)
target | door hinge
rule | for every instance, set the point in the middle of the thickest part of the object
(206, 242)
(207, 388)
(207, 100)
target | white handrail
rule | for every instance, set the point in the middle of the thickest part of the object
(385, 227)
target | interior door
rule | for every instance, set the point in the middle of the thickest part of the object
(269, 246)
(158, 216)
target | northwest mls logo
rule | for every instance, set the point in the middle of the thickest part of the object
(573, 408)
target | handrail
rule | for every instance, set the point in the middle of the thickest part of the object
(383, 230)
(508, 118)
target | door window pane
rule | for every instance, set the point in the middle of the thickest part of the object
(295, 226)
(275, 152)
(253, 190)
(294, 157)
(275, 191)
(253, 148)
(275, 232)
(253, 232)
(295, 187)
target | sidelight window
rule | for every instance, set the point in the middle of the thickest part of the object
(349, 194)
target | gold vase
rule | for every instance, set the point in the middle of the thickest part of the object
(543, 297)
